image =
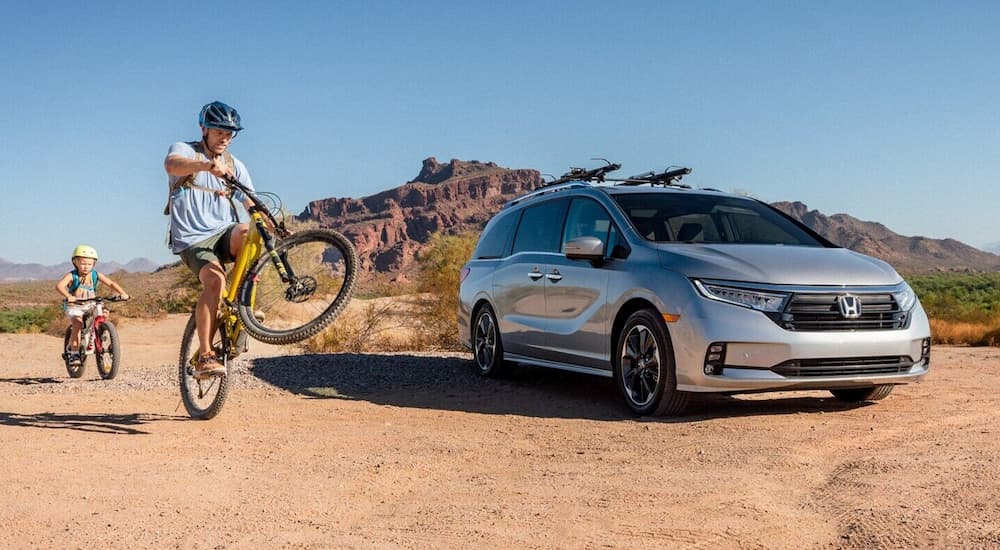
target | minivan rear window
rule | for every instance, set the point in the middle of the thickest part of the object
(495, 240)
(541, 227)
(678, 217)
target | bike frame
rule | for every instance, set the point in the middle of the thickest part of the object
(259, 238)
(91, 322)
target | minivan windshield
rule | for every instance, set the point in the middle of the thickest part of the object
(696, 218)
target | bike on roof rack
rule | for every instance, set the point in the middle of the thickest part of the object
(670, 177)
(579, 174)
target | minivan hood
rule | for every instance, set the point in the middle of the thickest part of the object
(779, 265)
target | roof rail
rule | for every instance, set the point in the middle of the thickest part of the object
(550, 188)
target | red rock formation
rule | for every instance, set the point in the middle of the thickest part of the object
(389, 228)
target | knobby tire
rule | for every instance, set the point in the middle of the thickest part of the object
(263, 282)
(206, 406)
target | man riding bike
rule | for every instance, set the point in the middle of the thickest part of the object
(204, 225)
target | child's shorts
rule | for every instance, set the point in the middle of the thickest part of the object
(78, 310)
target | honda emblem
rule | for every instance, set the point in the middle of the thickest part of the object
(850, 306)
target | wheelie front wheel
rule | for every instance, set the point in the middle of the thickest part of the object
(110, 355)
(203, 398)
(321, 269)
(75, 371)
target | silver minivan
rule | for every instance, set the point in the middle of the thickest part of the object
(674, 291)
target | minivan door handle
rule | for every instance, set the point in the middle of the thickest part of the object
(554, 276)
(535, 274)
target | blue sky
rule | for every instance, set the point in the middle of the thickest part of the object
(887, 111)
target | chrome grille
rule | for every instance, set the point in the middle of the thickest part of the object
(845, 366)
(820, 312)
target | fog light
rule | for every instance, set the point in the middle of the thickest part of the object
(925, 352)
(715, 358)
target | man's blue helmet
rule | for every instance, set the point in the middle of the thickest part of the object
(219, 115)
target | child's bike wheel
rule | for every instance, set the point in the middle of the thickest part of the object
(110, 356)
(75, 371)
(203, 398)
(324, 266)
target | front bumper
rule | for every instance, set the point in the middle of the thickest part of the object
(758, 352)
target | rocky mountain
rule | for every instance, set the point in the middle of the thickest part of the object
(390, 227)
(10, 271)
(906, 254)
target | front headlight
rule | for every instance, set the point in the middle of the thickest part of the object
(905, 297)
(754, 299)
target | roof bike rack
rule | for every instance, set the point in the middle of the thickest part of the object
(579, 174)
(670, 177)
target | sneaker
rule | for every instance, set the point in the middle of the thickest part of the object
(74, 358)
(208, 365)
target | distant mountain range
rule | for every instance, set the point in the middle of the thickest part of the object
(390, 228)
(10, 271)
(992, 247)
(906, 254)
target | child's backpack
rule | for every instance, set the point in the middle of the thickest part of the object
(75, 284)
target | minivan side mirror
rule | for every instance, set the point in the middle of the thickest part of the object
(585, 248)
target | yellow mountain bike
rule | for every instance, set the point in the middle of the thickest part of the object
(283, 288)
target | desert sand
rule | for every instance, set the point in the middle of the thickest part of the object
(416, 451)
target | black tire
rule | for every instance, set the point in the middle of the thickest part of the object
(857, 395)
(487, 345)
(325, 266)
(204, 398)
(644, 367)
(110, 357)
(75, 371)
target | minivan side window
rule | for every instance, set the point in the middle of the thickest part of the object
(495, 240)
(587, 218)
(541, 226)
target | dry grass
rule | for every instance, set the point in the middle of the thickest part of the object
(966, 333)
(378, 324)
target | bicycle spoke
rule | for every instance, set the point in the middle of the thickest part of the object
(285, 310)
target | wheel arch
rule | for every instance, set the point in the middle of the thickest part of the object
(627, 309)
(476, 308)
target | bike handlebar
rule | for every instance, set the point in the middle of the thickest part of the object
(114, 298)
(258, 205)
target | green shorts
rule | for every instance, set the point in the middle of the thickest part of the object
(212, 249)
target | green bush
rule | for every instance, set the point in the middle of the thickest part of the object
(29, 319)
(438, 277)
(967, 297)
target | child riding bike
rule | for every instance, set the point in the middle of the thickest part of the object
(81, 283)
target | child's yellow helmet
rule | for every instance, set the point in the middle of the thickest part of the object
(84, 251)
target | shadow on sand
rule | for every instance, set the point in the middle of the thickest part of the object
(452, 384)
(96, 423)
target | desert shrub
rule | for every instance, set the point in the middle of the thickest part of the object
(437, 284)
(963, 308)
(373, 325)
(28, 319)
(966, 297)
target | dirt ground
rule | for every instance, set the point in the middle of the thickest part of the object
(416, 451)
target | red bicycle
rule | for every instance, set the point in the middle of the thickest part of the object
(98, 337)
